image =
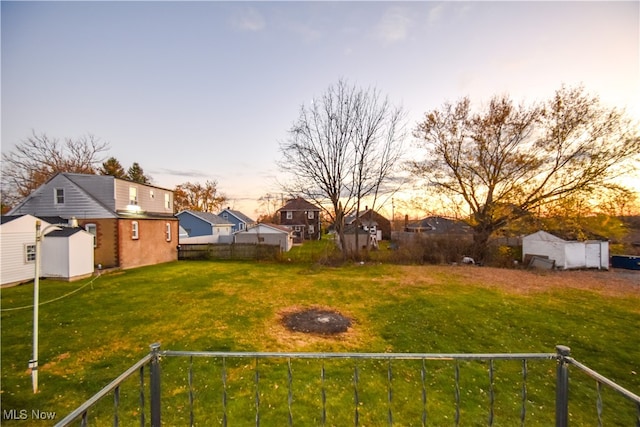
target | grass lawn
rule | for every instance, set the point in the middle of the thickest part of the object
(90, 337)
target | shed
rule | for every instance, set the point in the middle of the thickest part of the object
(267, 234)
(67, 253)
(566, 254)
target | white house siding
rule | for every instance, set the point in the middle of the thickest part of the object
(155, 204)
(15, 268)
(15, 235)
(76, 202)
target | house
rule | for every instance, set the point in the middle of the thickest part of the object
(268, 234)
(302, 217)
(133, 223)
(204, 227)
(371, 222)
(238, 220)
(565, 254)
(438, 226)
(66, 253)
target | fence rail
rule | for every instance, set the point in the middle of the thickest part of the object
(254, 384)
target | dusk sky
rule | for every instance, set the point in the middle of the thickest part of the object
(197, 91)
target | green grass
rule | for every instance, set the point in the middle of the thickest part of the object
(89, 338)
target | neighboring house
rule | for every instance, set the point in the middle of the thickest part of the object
(204, 227)
(238, 220)
(303, 218)
(65, 253)
(371, 222)
(438, 226)
(566, 254)
(266, 234)
(133, 223)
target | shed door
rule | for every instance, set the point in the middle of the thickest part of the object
(592, 255)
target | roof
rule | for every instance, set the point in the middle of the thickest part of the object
(439, 224)
(64, 232)
(48, 219)
(239, 215)
(299, 204)
(273, 227)
(209, 217)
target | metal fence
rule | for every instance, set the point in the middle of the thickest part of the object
(151, 405)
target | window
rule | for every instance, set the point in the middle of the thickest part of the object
(30, 253)
(151, 195)
(93, 229)
(59, 196)
(241, 226)
(296, 228)
(133, 195)
(311, 229)
(310, 214)
(289, 215)
(167, 201)
(167, 232)
(134, 230)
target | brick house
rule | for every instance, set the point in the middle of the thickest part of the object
(303, 218)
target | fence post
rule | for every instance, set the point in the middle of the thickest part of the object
(562, 387)
(154, 385)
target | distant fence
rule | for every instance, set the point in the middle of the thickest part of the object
(252, 386)
(233, 251)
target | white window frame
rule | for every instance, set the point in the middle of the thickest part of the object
(58, 196)
(29, 253)
(167, 201)
(312, 229)
(310, 215)
(167, 231)
(93, 229)
(133, 195)
(151, 195)
(135, 232)
(289, 214)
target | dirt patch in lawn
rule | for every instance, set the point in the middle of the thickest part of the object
(612, 282)
(323, 327)
(316, 321)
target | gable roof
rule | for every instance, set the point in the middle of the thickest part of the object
(299, 204)
(239, 215)
(209, 217)
(273, 228)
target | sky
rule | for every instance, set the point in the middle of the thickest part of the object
(206, 90)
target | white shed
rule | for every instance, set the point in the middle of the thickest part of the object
(67, 253)
(567, 254)
(269, 234)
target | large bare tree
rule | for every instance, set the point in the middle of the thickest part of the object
(342, 149)
(505, 160)
(37, 158)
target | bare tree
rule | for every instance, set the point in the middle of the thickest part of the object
(342, 149)
(198, 197)
(507, 160)
(39, 157)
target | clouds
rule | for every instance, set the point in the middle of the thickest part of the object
(394, 26)
(249, 19)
